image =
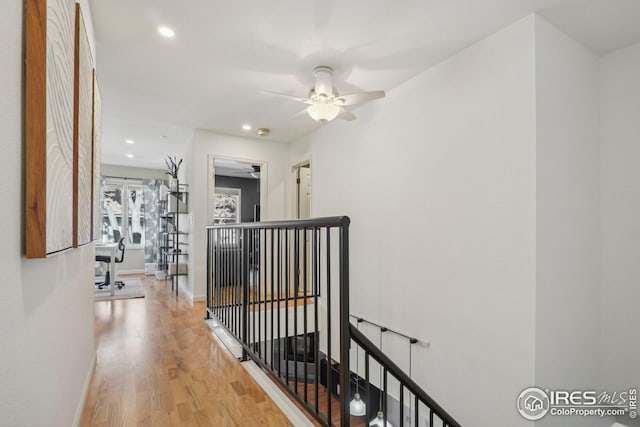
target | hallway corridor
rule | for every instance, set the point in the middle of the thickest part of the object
(159, 365)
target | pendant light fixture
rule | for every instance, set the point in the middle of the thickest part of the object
(357, 406)
(379, 420)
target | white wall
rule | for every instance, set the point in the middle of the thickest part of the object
(132, 172)
(46, 308)
(439, 181)
(206, 143)
(567, 217)
(620, 128)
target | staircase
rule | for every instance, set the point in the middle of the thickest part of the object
(282, 290)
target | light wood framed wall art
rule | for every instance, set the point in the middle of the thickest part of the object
(83, 135)
(49, 110)
(97, 144)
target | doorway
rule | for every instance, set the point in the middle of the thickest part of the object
(302, 210)
(302, 191)
(236, 191)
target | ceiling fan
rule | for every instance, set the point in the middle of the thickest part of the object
(325, 103)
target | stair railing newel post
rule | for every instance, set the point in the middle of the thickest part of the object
(345, 337)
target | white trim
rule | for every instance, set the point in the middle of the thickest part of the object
(288, 408)
(301, 164)
(85, 390)
(211, 182)
(186, 292)
(294, 187)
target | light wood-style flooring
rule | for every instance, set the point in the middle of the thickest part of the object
(159, 365)
(323, 397)
(231, 295)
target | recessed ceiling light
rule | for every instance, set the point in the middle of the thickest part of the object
(166, 32)
(130, 156)
(129, 141)
(246, 127)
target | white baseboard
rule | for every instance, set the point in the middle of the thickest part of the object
(85, 390)
(189, 295)
(288, 408)
(186, 292)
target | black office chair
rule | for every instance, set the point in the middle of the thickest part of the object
(107, 259)
(116, 235)
(137, 238)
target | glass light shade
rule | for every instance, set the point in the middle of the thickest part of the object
(379, 421)
(357, 406)
(323, 112)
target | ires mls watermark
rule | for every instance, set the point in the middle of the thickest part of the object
(534, 403)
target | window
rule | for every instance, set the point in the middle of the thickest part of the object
(115, 209)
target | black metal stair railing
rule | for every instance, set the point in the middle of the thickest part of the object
(407, 405)
(282, 290)
(275, 286)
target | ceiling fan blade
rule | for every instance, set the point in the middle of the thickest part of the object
(345, 114)
(300, 113)
(290, 97)
(359, 98)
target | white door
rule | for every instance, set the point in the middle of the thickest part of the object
(303, 211)
(304, 192)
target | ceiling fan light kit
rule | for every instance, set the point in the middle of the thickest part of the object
(323, 112)
(325, 104)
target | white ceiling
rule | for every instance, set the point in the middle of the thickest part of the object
(225, 53)
(235, 169)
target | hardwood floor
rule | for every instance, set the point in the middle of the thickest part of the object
(323, 396)
(159, 365)
(230, 295)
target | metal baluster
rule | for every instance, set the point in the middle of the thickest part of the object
(367, 385)
(296, 281)
(384, 394)
(316, 335)
(240, 279)
(304, 310)
(401, 404)
(218, 274)
(279, 263)
(223, 275)
(258, 344)
(234, 280)
(286, 297)
(245, 293)
(272, 297)
(265, 323)
(329, 323)
(344, 320)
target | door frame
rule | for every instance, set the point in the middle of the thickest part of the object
(295, 193)
(211, 183)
